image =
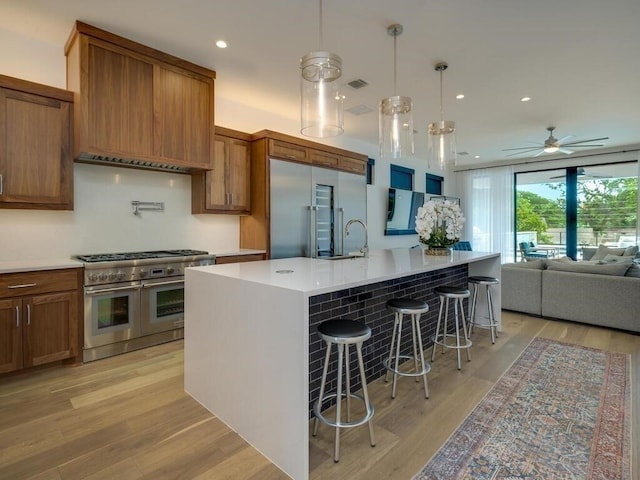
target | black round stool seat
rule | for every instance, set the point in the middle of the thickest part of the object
(483, 280)
(407, 305)
(451, 291)
(344, 331)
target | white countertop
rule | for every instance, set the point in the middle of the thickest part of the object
(316, 276)
(15, 266)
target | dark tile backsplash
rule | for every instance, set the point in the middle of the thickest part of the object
(367, 304)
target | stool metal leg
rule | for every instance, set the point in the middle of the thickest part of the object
(464, 330)
(415, 345)
(336, 449)
(492, 322)
(365, 392)
(393, 340)
(435, 339)
(455, 307)
(446, 319)
(474, 302)
(397, 359)
(348, 375)
(422, 363)
(322, 386)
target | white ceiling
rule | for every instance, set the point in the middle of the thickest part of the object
(577, 59)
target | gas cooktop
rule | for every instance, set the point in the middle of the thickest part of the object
(115, 257)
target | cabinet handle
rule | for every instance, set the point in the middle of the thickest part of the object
(18, 317)
(24, 285)
(0, 184)
(28, 314)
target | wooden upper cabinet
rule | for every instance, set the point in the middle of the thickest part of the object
(137, 106)
(36, 166)
(225, 188)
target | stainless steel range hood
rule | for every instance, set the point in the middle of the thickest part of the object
(132, 163)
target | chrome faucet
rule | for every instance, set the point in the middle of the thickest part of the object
(365, 248)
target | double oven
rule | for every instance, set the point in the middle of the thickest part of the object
(134, 300)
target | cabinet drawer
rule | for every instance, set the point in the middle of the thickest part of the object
(288, 151)
(325, 159)
(239, 258)
(45, 281)
(352, 165)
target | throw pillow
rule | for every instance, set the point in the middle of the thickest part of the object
(604, 251)
(634, 270)
(630, 251)
(616, 259)
(618, 269)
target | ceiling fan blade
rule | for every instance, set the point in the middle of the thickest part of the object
(585, 146)
(523, 148)
(570, 144)
(541, 152)
(565, 151)
(563, 139)
(526, 151)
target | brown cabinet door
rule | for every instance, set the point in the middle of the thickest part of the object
(239, 175)
(227, 186)
(50, 328)
(119, 102)
(35, 151)
(10, 335)
(184, 104)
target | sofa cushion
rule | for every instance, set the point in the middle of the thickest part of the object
(631, 251)
(609, 259)
(531, 264)
(604, 251)
(633, 271)
(618, 269)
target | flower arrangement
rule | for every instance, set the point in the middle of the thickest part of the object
(439, 223)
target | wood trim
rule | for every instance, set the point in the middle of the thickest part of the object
(35, 88)
(95, 32)
(228, 132)
(253, 257)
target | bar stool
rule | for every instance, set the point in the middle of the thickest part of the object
(343, 333)
(487, 282)
(401, 307)
(446, 292)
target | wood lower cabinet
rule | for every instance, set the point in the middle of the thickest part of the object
(37, 327)
(36, 164)
(137, 106)
(225, 188)
(253, 257)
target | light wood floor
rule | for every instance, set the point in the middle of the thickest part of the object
(128, 417)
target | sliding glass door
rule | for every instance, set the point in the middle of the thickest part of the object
(558, 212)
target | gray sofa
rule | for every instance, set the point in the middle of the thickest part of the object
(598, 292)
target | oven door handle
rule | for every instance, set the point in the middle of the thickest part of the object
(157, 284)
(109, 290)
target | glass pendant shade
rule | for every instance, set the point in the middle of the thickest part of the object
(442, 144)
(321, 109)
(396, 127)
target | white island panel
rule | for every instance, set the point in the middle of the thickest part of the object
(246, 362)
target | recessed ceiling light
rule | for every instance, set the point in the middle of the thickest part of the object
(476, 156)
(221, 44)
(460, 96)
(525, 99)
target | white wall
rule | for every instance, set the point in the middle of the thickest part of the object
(102, 220)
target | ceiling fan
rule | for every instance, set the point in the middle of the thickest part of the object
(553, 145)
(583, 174)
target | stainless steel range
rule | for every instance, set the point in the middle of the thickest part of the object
(134, 300)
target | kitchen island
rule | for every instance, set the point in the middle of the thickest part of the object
(252, 354)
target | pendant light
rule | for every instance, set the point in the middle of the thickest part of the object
(396, 118)
(321, 104)
(442, 142)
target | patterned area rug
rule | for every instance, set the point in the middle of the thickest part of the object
(560, 412)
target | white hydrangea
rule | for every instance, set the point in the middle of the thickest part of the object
(439, 224)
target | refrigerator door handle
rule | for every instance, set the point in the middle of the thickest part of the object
(313, 231)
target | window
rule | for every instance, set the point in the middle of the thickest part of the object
(370, 164)
(402, 177)
(567, 209)
(433, 184)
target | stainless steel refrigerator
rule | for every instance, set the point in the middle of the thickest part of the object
(310, 207)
